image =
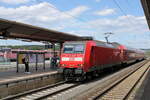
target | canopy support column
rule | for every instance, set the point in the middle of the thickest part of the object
(36, 63)
(17, 63)
(61, 45)
(44, 61)
(54, 50)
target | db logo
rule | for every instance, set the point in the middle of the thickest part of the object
(71, 59)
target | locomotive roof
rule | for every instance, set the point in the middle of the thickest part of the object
(109, 45)
(98, 43)
(74, 42)
(105, 44)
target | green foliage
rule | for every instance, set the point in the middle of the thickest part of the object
(29, 47)
(26, 47)
(148, 53)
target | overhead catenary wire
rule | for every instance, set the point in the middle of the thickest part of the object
(123, 12)
(117, 4)
(85, 21)
(130, 5)
(75, 17)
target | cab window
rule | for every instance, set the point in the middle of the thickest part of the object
(73, 48)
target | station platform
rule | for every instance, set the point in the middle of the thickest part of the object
(9, 71)
(143, 92)
(10, 74)
(12, 82)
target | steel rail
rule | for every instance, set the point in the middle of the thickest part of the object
(33, 91)
(107, 89)
(126, 96)
(57, 92)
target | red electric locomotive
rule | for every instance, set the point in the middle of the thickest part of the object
(80, 59)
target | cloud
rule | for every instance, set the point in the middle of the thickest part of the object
(48, 16)
(42, 14)
(126, 29)
(142, 43)
(121, 24)
(15, 1)
(78, 10)
(105, 12)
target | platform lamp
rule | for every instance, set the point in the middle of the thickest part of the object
(108, 35)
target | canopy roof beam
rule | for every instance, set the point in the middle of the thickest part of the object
(146, 7)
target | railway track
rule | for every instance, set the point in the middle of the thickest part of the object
(121, 89)
(43, 92)
(98, 89)
(81, 92)
(102, 89)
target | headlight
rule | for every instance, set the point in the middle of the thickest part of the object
(81, 65)
(63, 65)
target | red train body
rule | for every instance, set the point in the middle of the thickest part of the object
(83, 58)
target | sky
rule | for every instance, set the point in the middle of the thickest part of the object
(124, 18)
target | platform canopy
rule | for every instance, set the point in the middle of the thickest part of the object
(146, 7)
(17, 30)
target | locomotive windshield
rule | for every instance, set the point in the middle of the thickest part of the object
(73, 48)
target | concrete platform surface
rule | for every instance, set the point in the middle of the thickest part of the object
(12, 83)
(144, 91)
(10, 75)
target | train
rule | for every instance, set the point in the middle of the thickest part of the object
(82, 59)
